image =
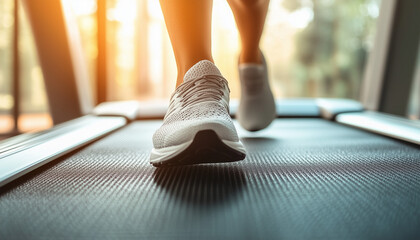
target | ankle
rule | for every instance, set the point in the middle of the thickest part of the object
(250, 57)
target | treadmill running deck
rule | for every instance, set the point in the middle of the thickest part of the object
(302, 178)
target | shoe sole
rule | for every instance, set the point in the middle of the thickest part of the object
(206, 147)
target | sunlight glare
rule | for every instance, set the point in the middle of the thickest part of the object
(301, 18)
(154, 10)
(83, 7)
(223, 16)
(123, 12)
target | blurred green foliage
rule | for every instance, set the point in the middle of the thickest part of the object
(332, 50)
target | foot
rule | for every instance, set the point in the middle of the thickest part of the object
(197, 127)
(256, 107)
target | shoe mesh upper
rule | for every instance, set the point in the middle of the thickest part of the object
(183, 121)
(257, 108)
(200, 69)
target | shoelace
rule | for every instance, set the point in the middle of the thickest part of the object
(201, 89)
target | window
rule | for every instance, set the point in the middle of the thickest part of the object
(414, 105)
(33, 107)
(6, 68)
(315, 48)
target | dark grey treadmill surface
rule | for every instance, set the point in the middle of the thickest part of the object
(302, 178)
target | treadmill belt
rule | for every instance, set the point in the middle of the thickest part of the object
(302, 178)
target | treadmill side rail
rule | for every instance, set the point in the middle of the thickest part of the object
(331, 107)
(384, 124)
(78, 133)
(127, 109)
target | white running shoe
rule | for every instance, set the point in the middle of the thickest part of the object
(257, 108)
(197, 127)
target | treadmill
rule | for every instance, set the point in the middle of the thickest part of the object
(324, 169)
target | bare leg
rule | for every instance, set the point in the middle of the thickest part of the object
(189, 27)
(250, 18)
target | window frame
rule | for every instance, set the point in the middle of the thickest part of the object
(391, 66)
